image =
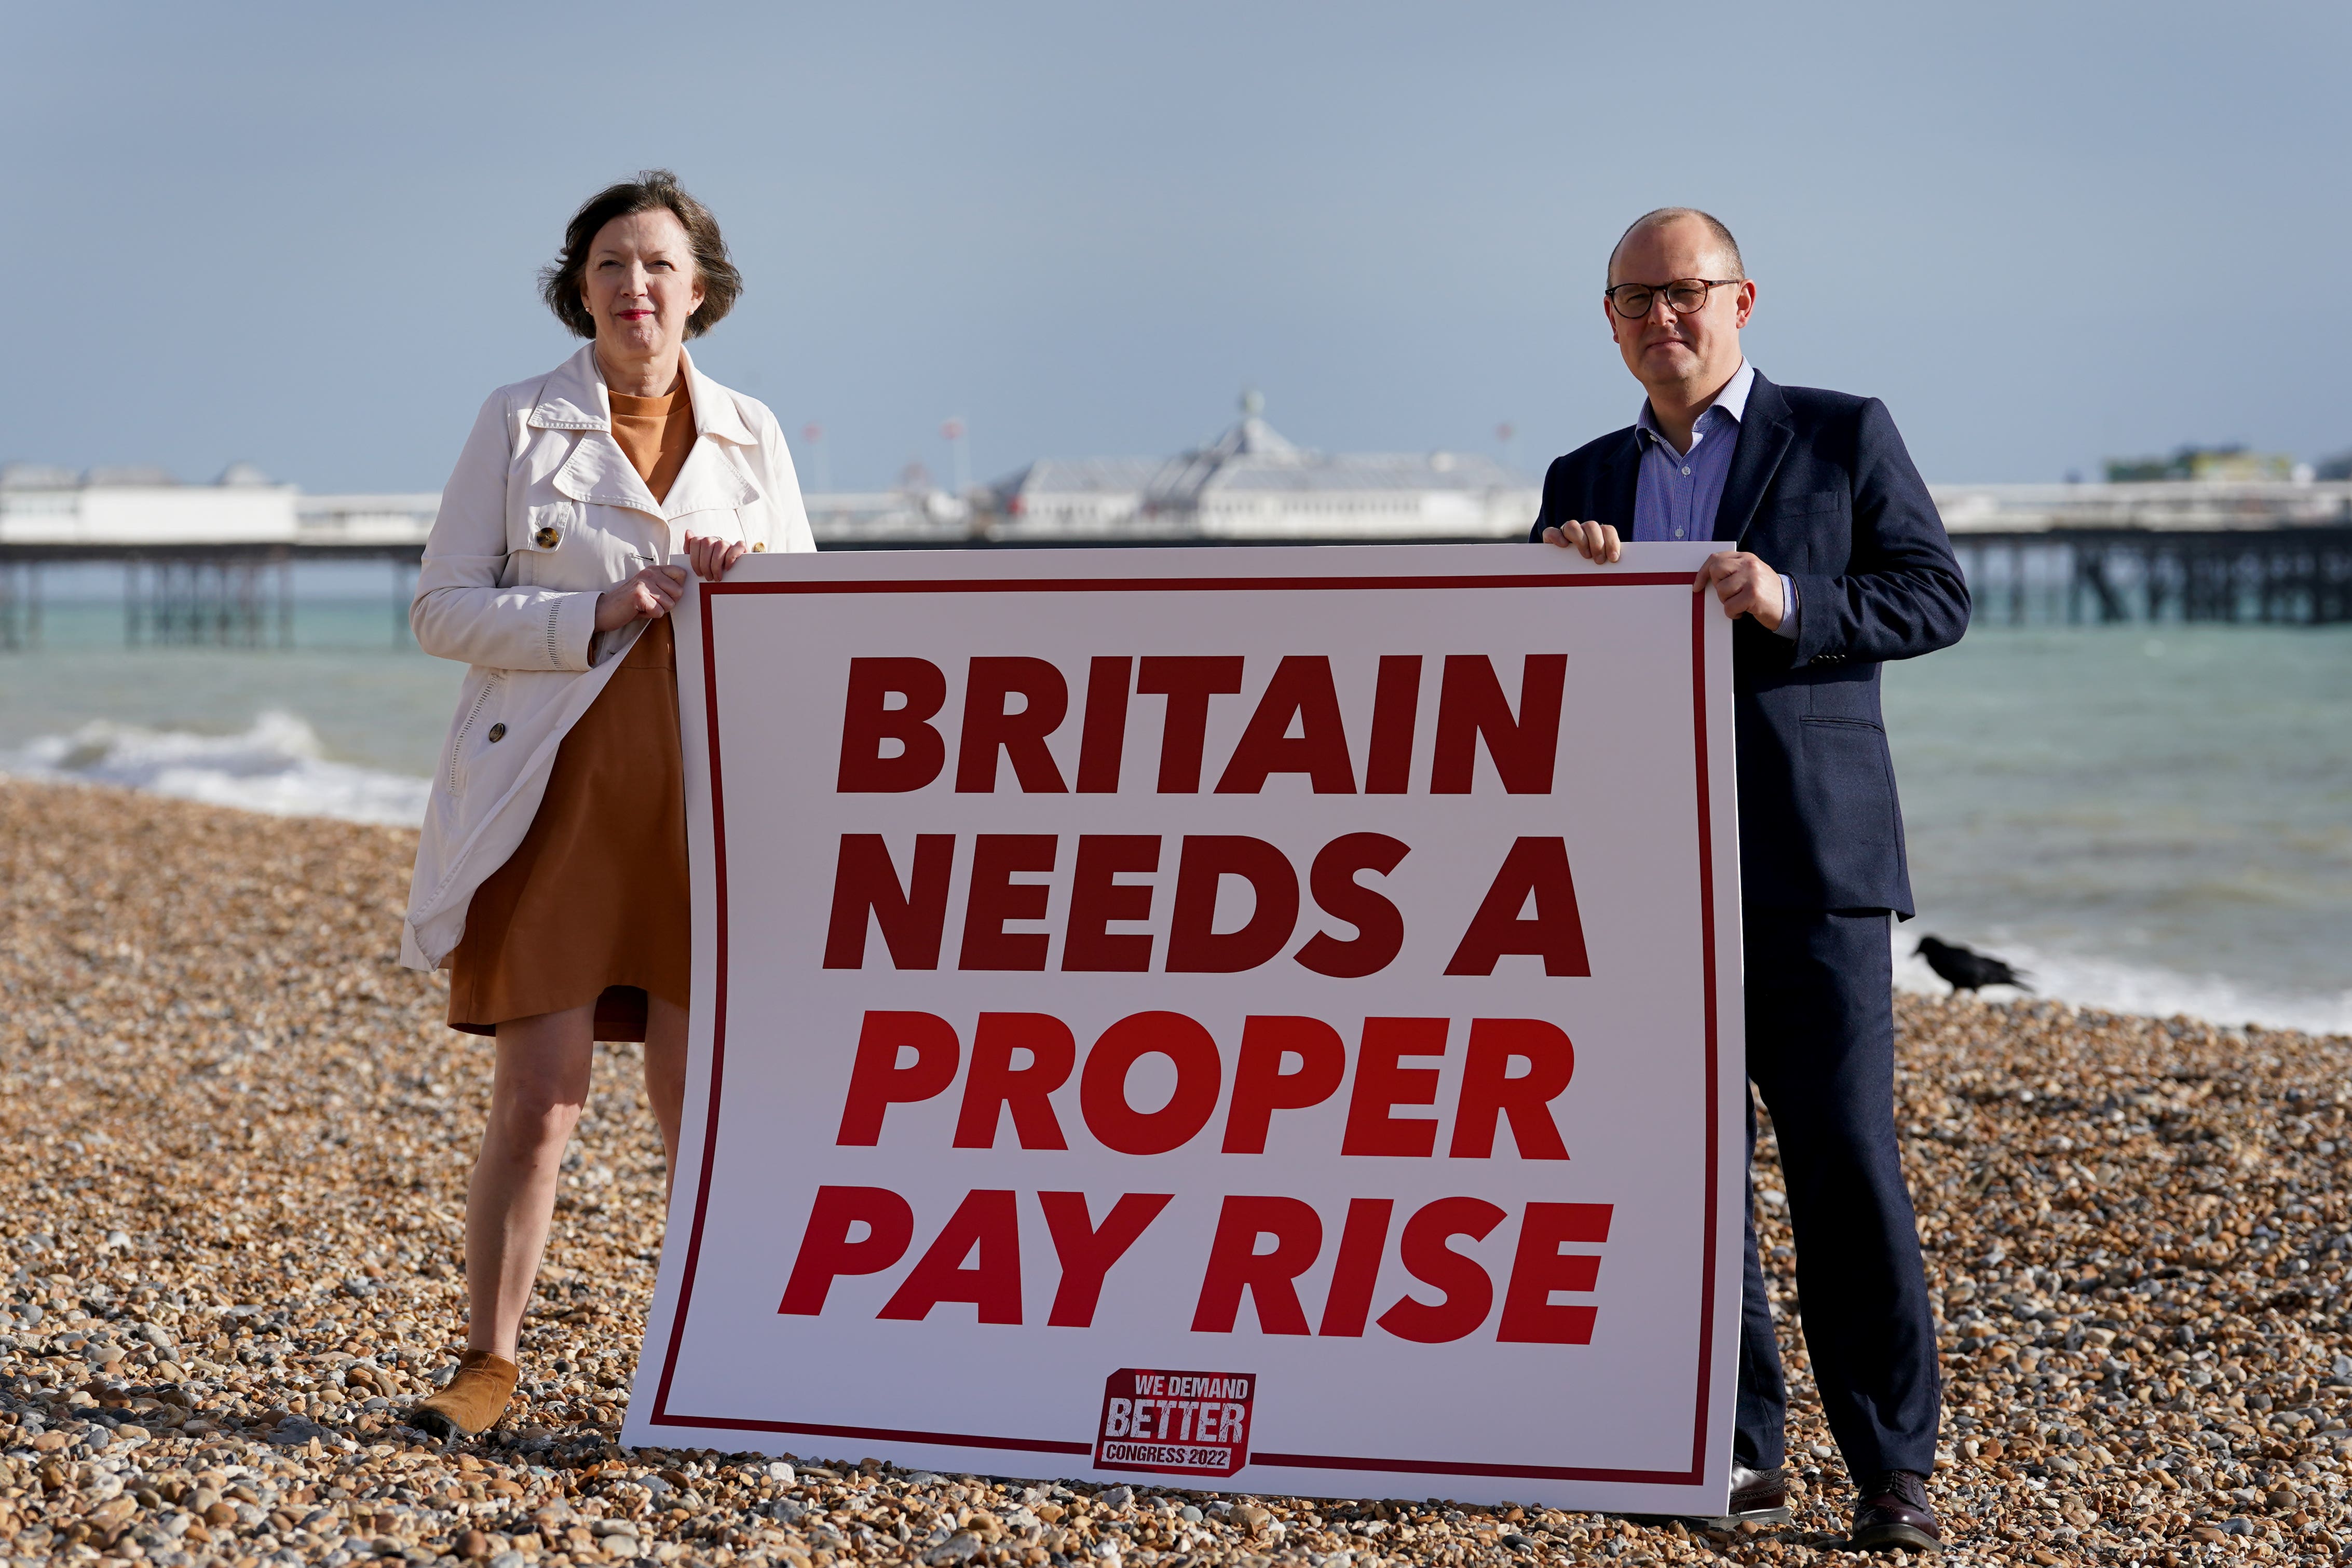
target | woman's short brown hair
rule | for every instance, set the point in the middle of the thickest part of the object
(559, 281)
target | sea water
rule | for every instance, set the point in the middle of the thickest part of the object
(2148, 819)
(347, 722)
(2152, 819)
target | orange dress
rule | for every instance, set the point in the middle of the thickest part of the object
(591, 905)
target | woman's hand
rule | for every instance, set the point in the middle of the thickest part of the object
(645, 596)
(711, 556)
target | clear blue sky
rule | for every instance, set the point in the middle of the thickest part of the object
(306, 235)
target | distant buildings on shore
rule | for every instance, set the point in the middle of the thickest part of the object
(2231, 465)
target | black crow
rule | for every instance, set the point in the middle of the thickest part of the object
(1965, 969)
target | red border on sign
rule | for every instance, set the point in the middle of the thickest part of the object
(711, 592)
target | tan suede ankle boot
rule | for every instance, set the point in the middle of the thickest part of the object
(473, 1399)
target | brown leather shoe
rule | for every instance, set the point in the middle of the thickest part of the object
(472, 1401)
(1894, 1515)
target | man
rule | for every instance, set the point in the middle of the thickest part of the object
(1839, 563)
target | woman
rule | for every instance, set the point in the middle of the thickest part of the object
(551, 878)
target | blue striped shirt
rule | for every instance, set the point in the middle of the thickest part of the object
(1678, 493)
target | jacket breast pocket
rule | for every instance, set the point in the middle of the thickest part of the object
(545, 528)
(1808, 531)
(531, 547)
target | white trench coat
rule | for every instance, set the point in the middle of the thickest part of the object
(544, 513)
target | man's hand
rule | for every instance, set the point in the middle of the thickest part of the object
(1746, 585)
(711, 556)
(645, 596)
(1594, 541)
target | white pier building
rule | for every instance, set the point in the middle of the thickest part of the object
(1251, 486)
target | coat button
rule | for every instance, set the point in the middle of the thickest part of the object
(545, 538)
(759, 545)
(498, 733)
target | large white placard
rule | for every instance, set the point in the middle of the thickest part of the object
(1254, 1020)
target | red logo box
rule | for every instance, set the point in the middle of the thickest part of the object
(1175, 1423)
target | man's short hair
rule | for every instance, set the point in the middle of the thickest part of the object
(1715, 228)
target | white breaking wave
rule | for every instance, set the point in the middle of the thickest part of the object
(275, 766)
(2108, 984)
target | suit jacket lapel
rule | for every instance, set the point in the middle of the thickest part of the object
(1765, 433)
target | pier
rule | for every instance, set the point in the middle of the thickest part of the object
(2263, 552)
(2289, 577)
(214, 565)
(208, 597)
(202, 565)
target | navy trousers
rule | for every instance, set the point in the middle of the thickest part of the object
(1821, 1052)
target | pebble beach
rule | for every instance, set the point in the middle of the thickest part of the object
(234, 1144)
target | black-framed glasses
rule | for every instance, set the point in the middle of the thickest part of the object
(1688, 296)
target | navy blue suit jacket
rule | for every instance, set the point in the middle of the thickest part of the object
(1822, 488)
